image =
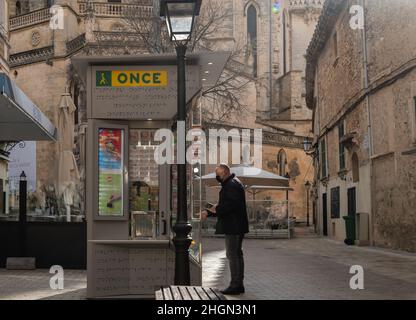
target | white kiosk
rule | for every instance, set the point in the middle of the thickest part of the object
(130, 198)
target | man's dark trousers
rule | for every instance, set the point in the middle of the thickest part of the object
(234, 252)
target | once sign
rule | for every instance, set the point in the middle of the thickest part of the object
(137, 78)
(138, 92)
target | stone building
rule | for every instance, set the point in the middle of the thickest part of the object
(274, 36)
(4, 68)
(271, 37)
(361, 86)
(4, 36)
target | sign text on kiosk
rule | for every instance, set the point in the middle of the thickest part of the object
(136, 78)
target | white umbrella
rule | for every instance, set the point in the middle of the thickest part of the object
(255, 180)
(67, 166)
(251, 176)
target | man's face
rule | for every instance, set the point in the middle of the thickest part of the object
(221, 174)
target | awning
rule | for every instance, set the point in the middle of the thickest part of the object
(20, 118)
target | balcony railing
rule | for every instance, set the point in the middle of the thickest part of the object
(302, 4)
(3, 32)
(143, 8)
(31, 56)
(75, 44)
(118, 38)
(29, 19)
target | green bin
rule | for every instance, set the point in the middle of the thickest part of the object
(350, 229)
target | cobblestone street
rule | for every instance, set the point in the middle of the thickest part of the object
(313, 268)
(300, 268)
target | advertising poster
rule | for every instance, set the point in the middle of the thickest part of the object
(22, 158)
(110, 172)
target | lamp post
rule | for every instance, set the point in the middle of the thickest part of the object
(22, 213)
(180, 19)
(307, 187)
(307, 145)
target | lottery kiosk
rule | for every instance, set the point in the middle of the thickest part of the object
(131, 199)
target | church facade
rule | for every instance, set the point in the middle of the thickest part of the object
(268, 39)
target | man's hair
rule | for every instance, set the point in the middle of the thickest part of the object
(225, 167)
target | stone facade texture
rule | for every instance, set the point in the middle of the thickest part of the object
(274, 99)
(377, 109)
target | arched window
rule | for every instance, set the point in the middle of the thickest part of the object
(252, 35)
(355, 168)
(282, 162)
(18, 8)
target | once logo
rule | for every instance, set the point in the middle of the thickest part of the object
(138, 78)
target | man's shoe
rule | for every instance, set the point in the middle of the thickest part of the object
(233, 290)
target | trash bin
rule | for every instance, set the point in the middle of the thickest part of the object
(350, 230)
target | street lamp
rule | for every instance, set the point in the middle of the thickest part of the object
(307, 187)
(180, 19)
(22, 213)
(307, 144)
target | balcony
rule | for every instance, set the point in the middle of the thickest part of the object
(115, 43)
(143, 8)
(3, 32)
(29, 19)
(297, 5)
(75, 44)
(118, 38)
(37, 55)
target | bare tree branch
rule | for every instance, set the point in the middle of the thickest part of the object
(225, 98)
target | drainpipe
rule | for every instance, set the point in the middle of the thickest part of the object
(368, 111)
(270, 59)
(319, 208)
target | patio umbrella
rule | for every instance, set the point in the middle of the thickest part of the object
(251, 176)
(67, 166)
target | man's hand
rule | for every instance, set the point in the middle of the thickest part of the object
(213, 208)
(204, 215)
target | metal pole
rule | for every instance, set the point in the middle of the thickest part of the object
(307, 207)
(182, 227)
(22, 216)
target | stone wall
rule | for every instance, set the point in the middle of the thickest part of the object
(380, 129)
(4, 36)
(394, 172)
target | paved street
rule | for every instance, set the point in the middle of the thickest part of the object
(313, 268)
(300, 268)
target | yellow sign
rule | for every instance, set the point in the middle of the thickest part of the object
(137, 78)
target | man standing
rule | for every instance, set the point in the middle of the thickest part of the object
(231, 213)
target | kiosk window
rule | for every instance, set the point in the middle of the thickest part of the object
(143, 183)
(110, 172)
